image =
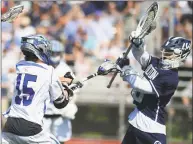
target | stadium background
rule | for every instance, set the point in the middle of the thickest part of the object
(92, 32)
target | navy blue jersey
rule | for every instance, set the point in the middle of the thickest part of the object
(164, 84)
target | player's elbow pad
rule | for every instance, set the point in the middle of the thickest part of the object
(61, 102)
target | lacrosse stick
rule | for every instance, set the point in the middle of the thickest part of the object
(146, 22)
(12, 13)
(106, 68)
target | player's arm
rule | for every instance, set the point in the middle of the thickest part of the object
(67, 78)
(59, 93)
(138, 50)
(61, 101)
(132, 77)
(141, 55)
(138, 47)
(128, 74)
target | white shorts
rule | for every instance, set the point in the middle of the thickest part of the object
(42, 138)
(60, 127)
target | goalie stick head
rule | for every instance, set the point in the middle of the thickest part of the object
(174, 51)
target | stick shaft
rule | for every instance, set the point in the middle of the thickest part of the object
(89, 77)
(85, 79)
(115, 74)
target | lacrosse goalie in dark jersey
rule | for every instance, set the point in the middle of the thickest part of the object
(153, 92)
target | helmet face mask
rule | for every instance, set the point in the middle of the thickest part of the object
(55, 58)
(57, 53)
(170, 59)
(174, 51)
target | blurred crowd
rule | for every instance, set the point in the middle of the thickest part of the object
(90, 31)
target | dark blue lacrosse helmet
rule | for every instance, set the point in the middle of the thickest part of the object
(37, 45)
(175, 50)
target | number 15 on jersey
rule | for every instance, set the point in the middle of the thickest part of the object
(25, 94)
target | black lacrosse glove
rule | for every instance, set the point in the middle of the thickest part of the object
(121, 62)
(69, 75)
(68, 89)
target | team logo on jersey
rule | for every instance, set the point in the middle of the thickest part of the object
(157, 142)
(151, 72)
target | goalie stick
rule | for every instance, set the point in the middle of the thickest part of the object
(142, 29)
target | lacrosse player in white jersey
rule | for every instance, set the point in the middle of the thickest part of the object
(36, 84)
(58, 122)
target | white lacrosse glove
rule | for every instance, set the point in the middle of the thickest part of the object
(135, 40)
(140, 41)
(128, 70)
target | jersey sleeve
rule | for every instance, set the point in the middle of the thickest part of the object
(163, 82)
(56, 89)
(141, 55)
(139, 84)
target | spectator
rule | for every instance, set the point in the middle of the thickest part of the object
(24, 29)
(4, 94)
(187, 98)
(88, 8)
(56, 30)
(34, 14)
(130, 17)
(75, 21)
(64, 7)
(88, 42)
(165, 23)
(113, 14)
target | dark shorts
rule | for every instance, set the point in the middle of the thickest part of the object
(135, 136)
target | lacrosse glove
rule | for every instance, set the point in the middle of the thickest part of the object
(107, 67)
(121, 62)
(128, 70)
(69, 90)
(70, 76)
(135, 40)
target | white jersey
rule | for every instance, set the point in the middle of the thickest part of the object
(62, 69)
(70, 110)
(35, 85)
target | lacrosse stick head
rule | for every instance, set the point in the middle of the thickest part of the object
(107, 67)
(12, 13)
(147, 22)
